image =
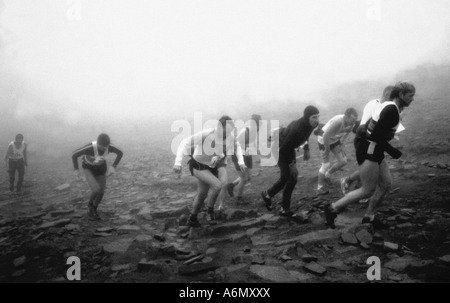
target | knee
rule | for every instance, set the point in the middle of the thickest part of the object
(343, 161)
(292, 180)
(216, 187)
(97, 190)
(368, 191)
(386, 185)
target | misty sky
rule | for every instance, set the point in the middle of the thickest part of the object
(145, 57)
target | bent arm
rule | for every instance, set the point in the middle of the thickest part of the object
(119, 154)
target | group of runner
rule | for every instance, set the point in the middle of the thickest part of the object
(210, 149)
(378, 125)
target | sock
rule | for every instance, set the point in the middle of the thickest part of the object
(332, 208)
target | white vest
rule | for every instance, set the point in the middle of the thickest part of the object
(97, 159)
(376, 116)
(17, 152)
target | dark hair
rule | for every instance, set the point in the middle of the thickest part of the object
(351, 111)
(256, 118)
(403, 87)
(309, 111)
(19, 136)
(223, 120)
(103, 139)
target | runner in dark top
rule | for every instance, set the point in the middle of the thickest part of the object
(94, 156)
(296, 134)
(370, 148)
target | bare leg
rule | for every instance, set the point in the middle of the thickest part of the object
(244, 177)
(341, 160)
(93, 184)
(223, 177)
(214, 185)
(101, 180)
(202, 193)
(384, 185)
(369, 172)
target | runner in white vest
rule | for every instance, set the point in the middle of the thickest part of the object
(374, 171)
(369, 109)
(16, 160)
(208, 151)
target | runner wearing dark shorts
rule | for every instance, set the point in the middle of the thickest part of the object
(370, 148)
(94, 156)
(247, 137)
(208, 152)
(360, 130)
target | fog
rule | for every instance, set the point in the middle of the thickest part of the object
(91, 66)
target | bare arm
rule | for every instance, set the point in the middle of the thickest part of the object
(8, 153)
(25, 158)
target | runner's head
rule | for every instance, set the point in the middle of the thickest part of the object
(350, 116)
(226, 124)
(403, 92)
(103, 141)
(19, 138)
(256, 118)
(311, 114)
(387, 93)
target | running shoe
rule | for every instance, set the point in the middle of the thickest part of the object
(320, 191)
(286, 213)
(344, 185)
(230, 188)
(267, 200)
(211, 214)
(330, 216)
(328, 178)
(376, 223)
(193, 222)
(93, 213)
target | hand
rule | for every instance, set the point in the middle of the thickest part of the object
(111, 171)
(361, 131)
(177, 169)
(243, 168)
(294, 170)
(76, 173)
(247, 151)
(306, 155)
(396, 154)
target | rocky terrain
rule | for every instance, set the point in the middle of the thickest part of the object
(143, 237)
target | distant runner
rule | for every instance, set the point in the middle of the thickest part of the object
(248, 136)
(332, 139)
(374, 171)
(94, 156)
(16, 160)
(290, 138)
(208, 151)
